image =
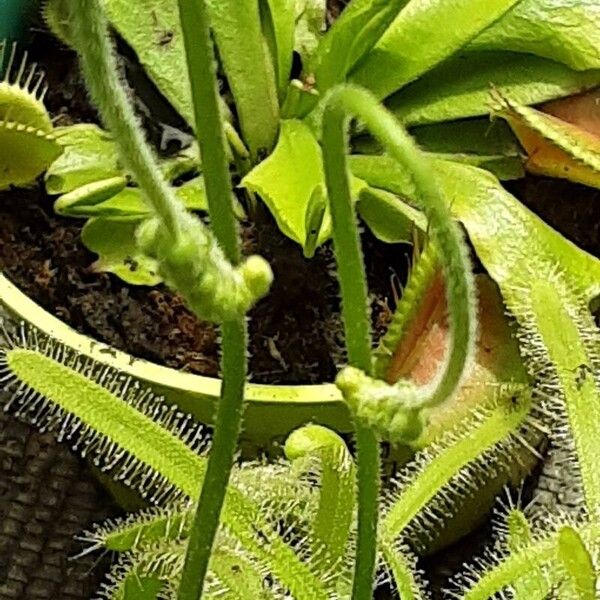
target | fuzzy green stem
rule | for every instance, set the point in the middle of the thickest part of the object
(189, 258)
(355, 311)
(340, 103)
(211, 139)
(445, 233)
(88, 28)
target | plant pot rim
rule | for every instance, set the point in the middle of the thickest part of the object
(271, 411)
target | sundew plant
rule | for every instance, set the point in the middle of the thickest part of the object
(368, 124)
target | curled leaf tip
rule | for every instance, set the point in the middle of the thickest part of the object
(194, 264)
(394, 411)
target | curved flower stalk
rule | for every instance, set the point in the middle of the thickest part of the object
(394, 410)
(321, 451)
(188, 257)
(184, 247)
(378, 403)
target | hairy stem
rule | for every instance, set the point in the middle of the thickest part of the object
(89, 32)
(347, 101)
(355, 311)
(193, 263)
(211, 139)
(189, 258)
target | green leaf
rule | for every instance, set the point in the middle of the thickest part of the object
(315, 213)
(470, 136)
(460, 87)
(245, 58)
(139, 587)
(507, 236)
(535, 584)
(279, 21)
(424, 34)
(504, 168)
(25, 153)
(153, 31)
(287, 179)
(310, 24)
(566, 31)
(352, 35)
(84, 200)
(479, 142)
(114, 242)
(391, 220)
(578, 563)
(111, 199)
(89, 155)
(403, 568)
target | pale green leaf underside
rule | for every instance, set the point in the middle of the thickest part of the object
(460, 87)
(89, 155)
(414, 43)
(566, 31)
(287, 178)
(114, 242)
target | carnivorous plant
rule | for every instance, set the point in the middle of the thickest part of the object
(315, 524)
